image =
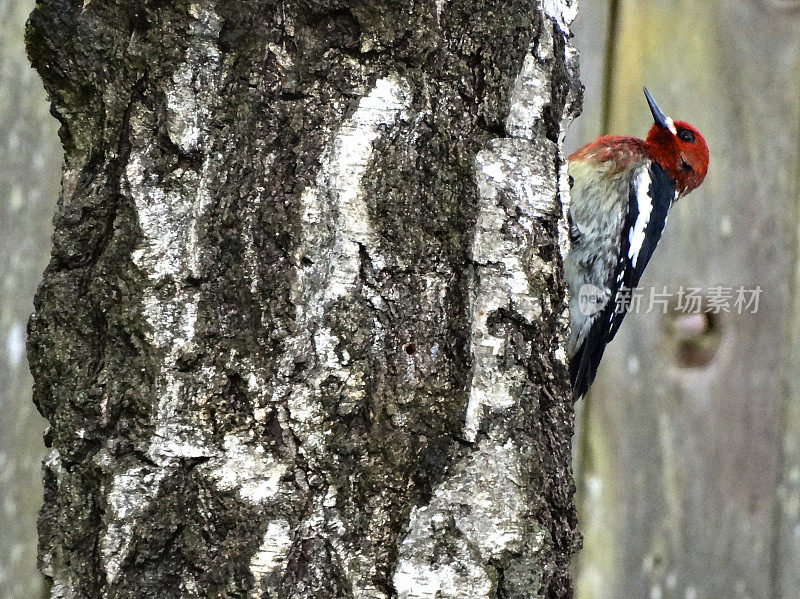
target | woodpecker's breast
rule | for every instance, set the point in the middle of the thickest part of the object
(618, 219)
(598, 209)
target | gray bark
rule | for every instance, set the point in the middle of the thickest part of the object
(302, 331)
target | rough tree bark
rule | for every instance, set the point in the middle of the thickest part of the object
(302, 330)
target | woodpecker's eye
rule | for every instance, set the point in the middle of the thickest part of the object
(686, 135)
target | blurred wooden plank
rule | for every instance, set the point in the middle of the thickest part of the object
(30, 170)
(589, 29)
(685, 465)
(594, 566)
(787, 557)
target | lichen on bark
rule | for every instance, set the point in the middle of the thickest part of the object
(301, 333)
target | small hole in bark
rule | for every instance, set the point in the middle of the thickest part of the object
(410, 348)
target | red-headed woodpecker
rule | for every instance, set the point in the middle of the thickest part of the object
(622, 190)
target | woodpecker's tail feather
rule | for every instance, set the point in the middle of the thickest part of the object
(584, 364)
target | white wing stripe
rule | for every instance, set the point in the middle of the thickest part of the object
(645, 206)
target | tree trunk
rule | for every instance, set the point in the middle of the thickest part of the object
(302, 331)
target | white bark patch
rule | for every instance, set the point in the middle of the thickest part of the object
(510, 169)
(531, 94)
(252, 211)
(337, 191)
(194, 84)
(333, 255)
(441, 581)
(62, 589)
(170, 211)
(270, 559)
(336, 226)
(248, 469)
(563, 12)
(482, 497)
(482, 500)
(168, 255)
(129, 496)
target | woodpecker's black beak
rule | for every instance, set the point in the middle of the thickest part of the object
(661, 119)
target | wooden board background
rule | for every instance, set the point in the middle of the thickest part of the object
(30, 171)
(690, 476)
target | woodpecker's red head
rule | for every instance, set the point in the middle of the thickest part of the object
(678, 148)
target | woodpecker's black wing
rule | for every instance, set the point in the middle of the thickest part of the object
(650, 195)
